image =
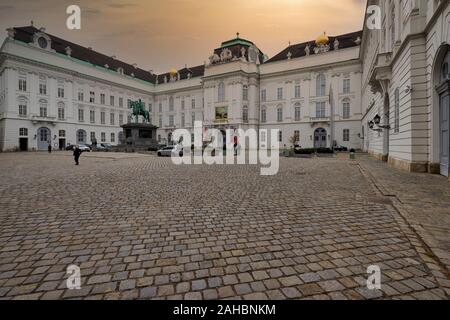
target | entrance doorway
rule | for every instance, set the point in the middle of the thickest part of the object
(320, 138)
(23, 144)
(62, 144)
(43, 138)
(443, 90)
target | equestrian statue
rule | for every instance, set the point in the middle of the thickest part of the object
(139, 110)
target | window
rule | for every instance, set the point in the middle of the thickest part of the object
(150, 108)
(60, 92)
(102, 98)
(280, 114)
(92, 97)
(183, 120)
(296, 136)
(103, 137)
(80, 96)
(121, 102)
(160, 107)
(263, 115)
(280, 93)
(171, 120)
(346, 109)
(346, 86)
(22, 109)
(80, 115)
(280, 136)
(43, 109)
(62, 133)
(61, 112)
(297, 112)
(113, 137)
(43, 89)
(111, 101)
(171, 104)
(321, 84)
(23, 132)
(346, 135)
(245, 114)
(182, 104)
(160, 121)
(92, 116)
(297, 91)
(193, 118)
(397, 111)
(112, 119)
(445, 72)
(102, 117)
(221, 92)
(92, 136)
(193, 103)
(320, 110)
(263, 95)
(22, 84)
(120, 119)
(245, 93)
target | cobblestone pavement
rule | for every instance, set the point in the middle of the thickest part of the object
(141, 228)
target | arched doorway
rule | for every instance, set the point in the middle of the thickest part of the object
(44, 138)
(320, 138)
(81, 137)
(442, 80)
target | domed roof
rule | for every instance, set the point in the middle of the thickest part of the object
(173, 72)
(322, 40)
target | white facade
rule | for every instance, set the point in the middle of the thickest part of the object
(402, 69)
(51, 96)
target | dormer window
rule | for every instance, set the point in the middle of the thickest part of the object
(42, 43)
(120, 70)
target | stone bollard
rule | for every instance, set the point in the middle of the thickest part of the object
(352, 154)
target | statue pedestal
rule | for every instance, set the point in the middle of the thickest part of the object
(139, 137)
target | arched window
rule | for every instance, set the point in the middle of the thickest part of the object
(221, 93)
(263, 114)
(43, 108)
(397, 111)
(245, 114)
(321, 84)
(445, 71)
(346, 109)
(297, 111)
(280, 114)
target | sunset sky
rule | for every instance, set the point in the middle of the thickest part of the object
(162, 34)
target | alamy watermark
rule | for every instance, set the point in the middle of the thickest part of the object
(73, 22)
(373, 21)
(73, 282)
(242, 147)
(374, 279)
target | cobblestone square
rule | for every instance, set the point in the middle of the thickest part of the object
(140, 227)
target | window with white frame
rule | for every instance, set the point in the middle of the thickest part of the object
(296, 136)
(113, 137)
(397, 111)
(263, 95)
(346, 86)
(280, 114)
(92, 97)
(263, 115)
(80, 115)
(171, 104)
(193, 103)
(320, 109)
(43, 88)
(102, 98)
(160, 121)
(22, 108)
(61, 112)
(321, 84)
(62, 133)
(171, 120)
(221, 92)
(346, 109)
(23, 132)
(43, 109)
(112, 119)
(297, 92)
(22, 83)
(160, 107)
(182, 104)
(60, 92)
(80, 95)
(245, 93)
(103, 136)
(297, 110)
(102, 117)
(245, 114)
(111, 101)
(346, 135)
(92, 116)
(280, 93)
(93, 136)
(120, 102)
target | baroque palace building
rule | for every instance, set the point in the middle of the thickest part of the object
(382, 90)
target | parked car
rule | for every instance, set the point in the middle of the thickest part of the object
(170, 151)
(340, 148)
(84, 148)
(70, 147)
(107, 146)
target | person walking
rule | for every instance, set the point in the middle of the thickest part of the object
(49, 148)
(76, 154)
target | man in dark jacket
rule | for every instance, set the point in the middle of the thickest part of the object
(76, 154)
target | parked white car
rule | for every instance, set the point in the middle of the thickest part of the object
(171, 151)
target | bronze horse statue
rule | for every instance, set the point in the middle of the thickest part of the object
(139, 110)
